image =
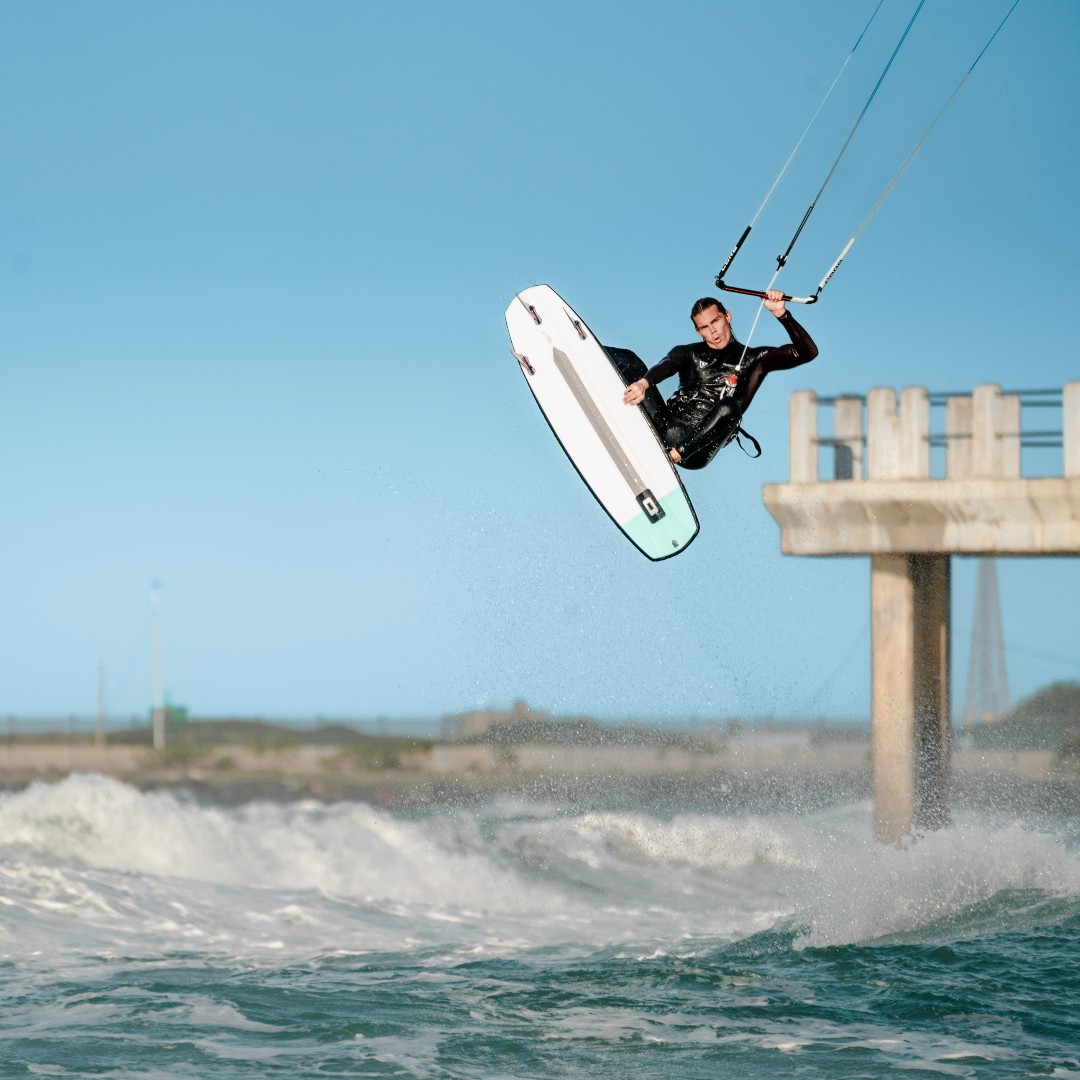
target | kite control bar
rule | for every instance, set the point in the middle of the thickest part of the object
(720, 283)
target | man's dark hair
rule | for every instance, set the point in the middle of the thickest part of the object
(706, 302)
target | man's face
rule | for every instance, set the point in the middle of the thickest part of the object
(714, 326)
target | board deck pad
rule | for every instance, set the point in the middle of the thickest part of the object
(612, 446)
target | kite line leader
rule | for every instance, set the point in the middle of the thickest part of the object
(782, 259)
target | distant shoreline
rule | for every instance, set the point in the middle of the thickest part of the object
(763, 771)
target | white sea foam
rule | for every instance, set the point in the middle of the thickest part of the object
(863, 891)
(95, 866)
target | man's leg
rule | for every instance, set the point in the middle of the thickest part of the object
(700, 458)
(696, 442)
(715, 430)
(629, 365)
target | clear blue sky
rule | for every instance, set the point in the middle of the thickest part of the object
(255, 258)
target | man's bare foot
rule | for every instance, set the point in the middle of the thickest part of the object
(675, 456)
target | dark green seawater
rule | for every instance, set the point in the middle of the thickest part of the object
(146, 935)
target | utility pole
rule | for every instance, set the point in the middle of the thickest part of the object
(158, 713)
(100, 737)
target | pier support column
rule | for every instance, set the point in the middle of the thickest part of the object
(910, 608)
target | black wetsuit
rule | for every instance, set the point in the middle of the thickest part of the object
(704, 413)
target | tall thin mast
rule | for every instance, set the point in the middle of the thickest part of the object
(158, 714)
(101, 715)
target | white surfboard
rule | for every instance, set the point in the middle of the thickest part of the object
(610, 444)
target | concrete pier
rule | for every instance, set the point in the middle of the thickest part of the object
(883, 502)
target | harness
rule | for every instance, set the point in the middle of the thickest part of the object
(742, 431)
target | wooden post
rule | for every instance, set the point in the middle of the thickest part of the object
(1070, 428)
(958, 437)
(882, 434)
(914, 433)
(986, 450)
(848, 438)
(803, 449)
(1009, 437)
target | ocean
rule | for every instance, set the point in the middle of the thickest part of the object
(151, 935)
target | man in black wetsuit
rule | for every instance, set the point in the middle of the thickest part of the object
(715, 389)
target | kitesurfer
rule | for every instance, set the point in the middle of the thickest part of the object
(718, 378)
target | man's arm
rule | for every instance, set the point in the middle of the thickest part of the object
(635, 392)
(802, 348)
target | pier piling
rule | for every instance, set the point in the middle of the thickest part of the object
(885, 503)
